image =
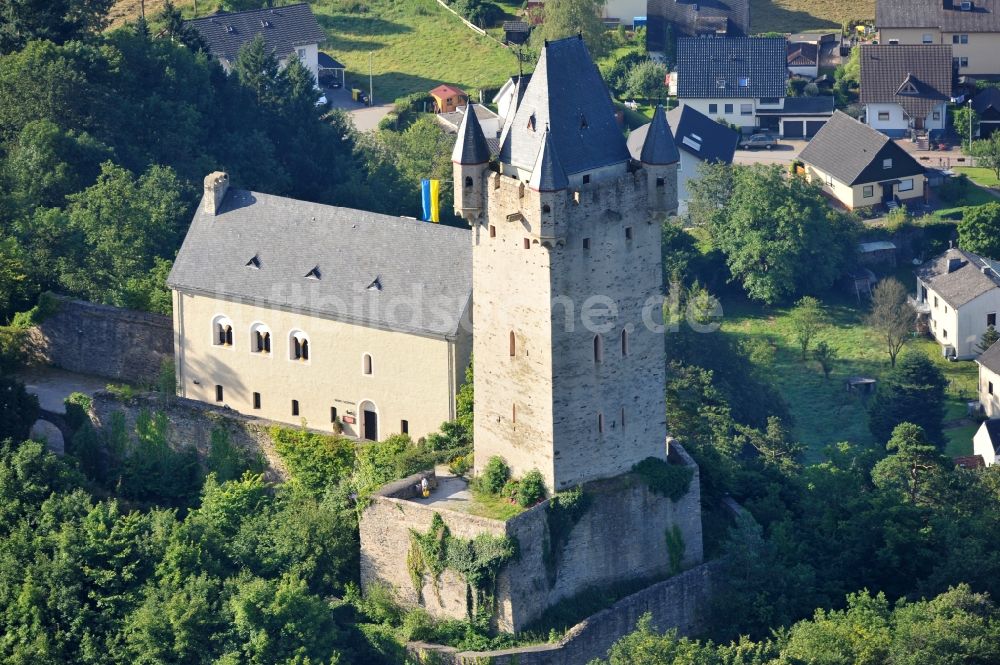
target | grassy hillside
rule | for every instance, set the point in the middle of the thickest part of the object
(798, 15)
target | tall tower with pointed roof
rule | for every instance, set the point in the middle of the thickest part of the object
(567, 272)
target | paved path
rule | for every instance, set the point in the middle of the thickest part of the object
(53, 386)
(365, 118)
(45, 431)
(452, 493)
(784, 153)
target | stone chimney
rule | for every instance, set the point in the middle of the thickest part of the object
(216, 186)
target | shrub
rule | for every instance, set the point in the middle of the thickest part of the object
(77, 410)
(495, 475)
(663, 478)
(315, 461)
(461, 464)
(18, 410)
(531, 489)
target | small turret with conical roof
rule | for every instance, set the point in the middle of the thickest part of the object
(469, 158)
(660, 159)
(547, 175)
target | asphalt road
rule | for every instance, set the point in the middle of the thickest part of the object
(783, 153)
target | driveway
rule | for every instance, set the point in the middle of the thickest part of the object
(53, 386)
(784, 154)
(365, 118)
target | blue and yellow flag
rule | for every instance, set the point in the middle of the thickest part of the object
(430, 194)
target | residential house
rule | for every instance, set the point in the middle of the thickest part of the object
(667, 20)
(987, 106)
(295, 311)
(510, 94)
(803, 59)
(971, 28)
(287, 31)
(989, 387)
(959, 293)
(906, 89)
(743, 82)
(861, 167)
(448, 98)
(698, 139)
(623, 12)
(986, 442)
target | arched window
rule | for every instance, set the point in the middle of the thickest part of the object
(468, 181)
(546, 209)
(222, 331)
(624, 342)
(298, 346)
(260, 338)
(600, 423)
(366, 365)
(513, 344)
(598, 349)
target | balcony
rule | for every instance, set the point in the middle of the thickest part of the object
(919, 306)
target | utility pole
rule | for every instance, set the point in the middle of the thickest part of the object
(970, 123)
(371, 92)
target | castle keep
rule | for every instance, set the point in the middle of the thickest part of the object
(566, 275)
(569, 366)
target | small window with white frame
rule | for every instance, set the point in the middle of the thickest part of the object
(883, 116)
(927, 38)
(868, 191)
(887, 163)
(906, 185)
(222, 331)
(260, 339)
(298, 346)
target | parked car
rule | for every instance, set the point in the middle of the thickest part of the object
(758, 141)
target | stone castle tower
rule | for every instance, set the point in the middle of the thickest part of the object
(567, 269)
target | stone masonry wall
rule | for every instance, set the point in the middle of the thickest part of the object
(192, 423)
(678, 602)
(621, 537)
(101, 340)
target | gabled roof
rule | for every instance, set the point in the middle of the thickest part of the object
(326, 61)
(820, 105)
(428, 266)
(691, 18)
(853, 153)
(283, 28)
(547, 175)
(990, 359)
(567, 95)
(658, 147)
(744, 68)
(802, 54)
(946, 15)
(471, 147)
(444, 91)
(694, 133)
(918, 77)
(959, 277)
(986, 100)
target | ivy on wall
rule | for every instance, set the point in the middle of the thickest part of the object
(477, 561)
(664, 478)
(565, 509)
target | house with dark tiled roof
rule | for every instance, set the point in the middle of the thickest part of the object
(803, 59)
(958, 293)
(989, 389)
(971, 28)
(743, 82)
(295, 311)
(697, 139)
(987, 107)
(861, 167)
(906, 89)
(288, 31)
(668, 20)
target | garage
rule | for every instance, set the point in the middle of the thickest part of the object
(793, 129)
(813, 126)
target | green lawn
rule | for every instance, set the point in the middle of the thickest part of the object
(980, 176)
(799, 15)
(823, 411)
(415, 46)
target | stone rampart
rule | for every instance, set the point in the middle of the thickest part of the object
(101, 340)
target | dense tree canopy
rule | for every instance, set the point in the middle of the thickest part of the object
(54, 20)
(979, 230)
(779, 234)
(565, 18)
(912, 391)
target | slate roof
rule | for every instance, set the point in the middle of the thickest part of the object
(947, 15)
(990, 359)
(694, 133)
(658, 147)
(547, 175)
(470, 147)
(423, 270)
(965, 281)
(818, 105)
(567, 95)
(885, 68)
(986, 100)
(714, 68)
(852, 152)
(802, 54)
(283, 28)
(693, 17)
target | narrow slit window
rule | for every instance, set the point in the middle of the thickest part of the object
(256, 400)
(628, 233)
(623, 417)
(493, 231)
(600, 423)
(333, 414)
(586, 243)
(624, 342)
(218, 393)
(404, 426)
(513, 413)
(598, 349)
(367, 364)
(527, 243)
(512, 344)
(295, 407)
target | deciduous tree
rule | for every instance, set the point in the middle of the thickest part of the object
(987, 153)
(806, 318)
(979, 230)
(565, 18)
(891, 317)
